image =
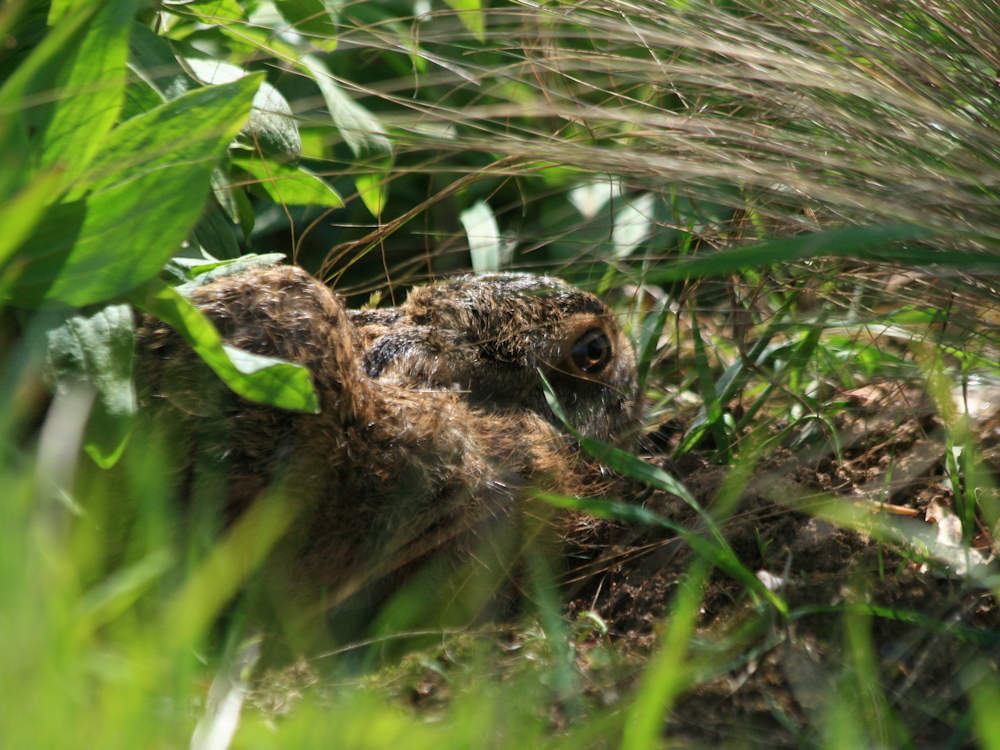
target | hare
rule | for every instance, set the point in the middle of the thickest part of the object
(432, 418)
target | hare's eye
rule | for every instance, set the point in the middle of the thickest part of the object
(592, 351)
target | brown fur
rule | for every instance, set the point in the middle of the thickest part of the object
(432, 416)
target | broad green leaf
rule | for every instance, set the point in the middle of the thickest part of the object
(314, 143)
(59, 8)
(373, 187)
(139, 98)
(156, 75)
(200, 273)
(21, 213)
(271, 126)
(288, 185)
(102, 247)
(98, 348)
(190, 268)
(363, 133)
(89, 86)
(848, 241)
(218, 11)
(193, 128)
(472, 15)
(248, 38)
(483, 236)
(214, 234)
(234, 201)
(313, 19)
(37, 72)
(262, 379)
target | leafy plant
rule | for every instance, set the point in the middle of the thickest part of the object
(791, 203)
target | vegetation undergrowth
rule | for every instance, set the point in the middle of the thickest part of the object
(792, 205)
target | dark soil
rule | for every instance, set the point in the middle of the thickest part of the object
(764, 680)
(930, 629)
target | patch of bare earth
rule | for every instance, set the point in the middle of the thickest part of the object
(770, 682)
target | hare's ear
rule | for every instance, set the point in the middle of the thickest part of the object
(398, 344)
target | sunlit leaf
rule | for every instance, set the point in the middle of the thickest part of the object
(101, 247)
(313, 19)
(483, 235)
(373, 187)
(289, 185)
(360, 129)
(152, 62)
(472, 15)
(43, 64)
(88, 89)
(217, 11)
(262, 379)
(21, 213)
(203, 272)
(193, 128)
(271, 126)
(214, 234)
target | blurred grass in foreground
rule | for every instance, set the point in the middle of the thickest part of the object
(697, 128)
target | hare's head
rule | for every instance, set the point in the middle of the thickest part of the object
(488, 336)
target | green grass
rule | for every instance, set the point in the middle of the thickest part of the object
(787, 201)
